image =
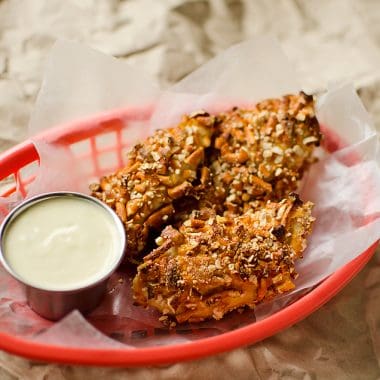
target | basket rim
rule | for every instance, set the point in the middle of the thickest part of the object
(71, 132)
(137, 357)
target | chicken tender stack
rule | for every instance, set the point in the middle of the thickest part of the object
(220, 191)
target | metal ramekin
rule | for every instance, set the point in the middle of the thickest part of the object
(55, 304)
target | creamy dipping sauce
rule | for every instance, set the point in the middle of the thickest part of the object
(62, 243)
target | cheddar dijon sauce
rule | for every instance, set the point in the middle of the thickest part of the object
(61, 243)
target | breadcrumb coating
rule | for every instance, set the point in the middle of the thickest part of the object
(159, 171)
(263, 152)
(214, 264)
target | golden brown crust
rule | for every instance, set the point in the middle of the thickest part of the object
(263, 152)
(159, 171)
(213, 264)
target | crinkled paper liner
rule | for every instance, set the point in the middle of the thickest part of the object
(344, 185)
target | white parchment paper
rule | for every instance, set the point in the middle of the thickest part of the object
(344, 185)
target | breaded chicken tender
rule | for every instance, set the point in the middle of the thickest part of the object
(214, 264)
(158, 172)
(262, 153)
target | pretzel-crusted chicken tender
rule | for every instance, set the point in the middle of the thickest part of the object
(158, 171)
(261, 153)
(214, 264)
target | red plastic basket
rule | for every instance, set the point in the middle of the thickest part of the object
(12, 164)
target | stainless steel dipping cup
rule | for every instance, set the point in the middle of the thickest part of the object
(55, 304)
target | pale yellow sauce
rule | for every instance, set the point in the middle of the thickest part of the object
(62, 243)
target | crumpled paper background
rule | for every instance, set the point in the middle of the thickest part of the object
(341, 345)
